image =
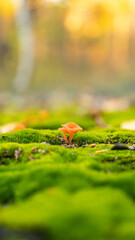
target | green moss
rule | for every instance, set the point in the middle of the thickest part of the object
(81, 138)
(104, 136)
(53, 192)
(116, 118)
(69, 169)
(95, 214)
(31, 136)
(52, 120)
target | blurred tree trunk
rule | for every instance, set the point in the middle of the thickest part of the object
(26, 45)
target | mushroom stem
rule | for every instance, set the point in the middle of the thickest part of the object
(70, 138)
(65, 137)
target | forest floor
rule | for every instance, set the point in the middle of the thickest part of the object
(55, 191)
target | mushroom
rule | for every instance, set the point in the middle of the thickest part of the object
(71, 128)
(19, 126)
(64, 132)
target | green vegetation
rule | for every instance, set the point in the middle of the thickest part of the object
(49, 190)
(81, 138)
(116, 118)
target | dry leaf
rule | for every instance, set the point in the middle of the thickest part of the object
(128, 125)
(12, 127)
(102, 151)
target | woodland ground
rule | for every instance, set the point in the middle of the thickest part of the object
(52, 191)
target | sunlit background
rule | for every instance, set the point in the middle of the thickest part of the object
(67, 47)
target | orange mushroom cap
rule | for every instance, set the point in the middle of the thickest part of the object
(72, 127)
(64, 132)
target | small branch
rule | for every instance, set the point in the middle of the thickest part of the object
(12, 140)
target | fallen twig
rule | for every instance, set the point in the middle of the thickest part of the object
(11, 139)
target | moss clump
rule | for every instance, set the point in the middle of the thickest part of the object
(40, 166)
(31, 136)
(104, 136)
(94, 214)
(80, 138)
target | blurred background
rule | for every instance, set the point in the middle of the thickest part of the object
(66, 49)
